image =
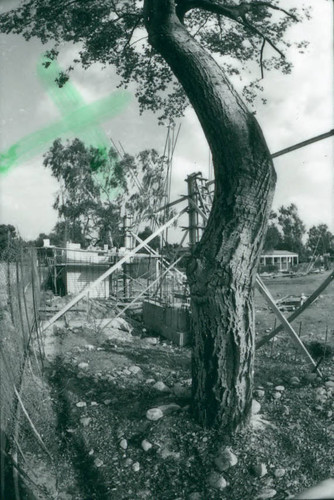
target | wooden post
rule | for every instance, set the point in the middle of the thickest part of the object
(192, 212)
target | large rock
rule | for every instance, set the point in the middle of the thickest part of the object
(154, 414)
(169, 408)
(259, 469)
(225, 459)
(161, 386)
(256, 407)
(217, 481)
(181, 391)
(120, 324)
(134, 369)
(146, 445)
(83, 366)
(123, 444)
(265, 494)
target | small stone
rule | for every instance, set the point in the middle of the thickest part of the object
(98, 462)
(278, 473)
(146, 445)
(161, 386)
(294, 381)
(217, 481)
(89, 347)
(154, 414)
(329, 383)
(85, 421)
(286, 410)
(94, 403)
(264, 494)
(269, 384)
(91, 452)
(81, 404)
(256, 407)
(277, 395)
(126, 372)
(259, 393)
(259, 469)
(170, 408)
(280, 388)
(195, 495)
(310, 377)
(225, 459)
(145, 494)
(135, 369)
(136, 467)
(128, 462)
(166, 453)
(123, 444)
(181, 391)
(152, 340)
(149, 381)
(83, 366)
(107, 402)
(329, 413)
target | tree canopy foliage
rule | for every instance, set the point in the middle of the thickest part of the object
(320, 240)
(112, 32)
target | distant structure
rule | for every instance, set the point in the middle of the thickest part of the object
(282, 259)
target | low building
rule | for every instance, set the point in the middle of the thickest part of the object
(281, 259)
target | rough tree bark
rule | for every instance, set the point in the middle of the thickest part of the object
(222, 270)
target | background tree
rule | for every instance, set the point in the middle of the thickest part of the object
(155, 243)
(172, 63)
(146, 178)
(320, 240)
(293, 229)
(96, 184)
(88, 180)
(8, 241)
(273, 238)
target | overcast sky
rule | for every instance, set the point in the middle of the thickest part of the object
(299, 106)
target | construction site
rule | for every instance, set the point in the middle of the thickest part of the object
(96, 372)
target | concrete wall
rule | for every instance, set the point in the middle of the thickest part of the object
(172, 322)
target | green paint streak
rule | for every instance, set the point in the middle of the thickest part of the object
(67, 98)
(79, 119)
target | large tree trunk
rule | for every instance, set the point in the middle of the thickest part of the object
(223, 268)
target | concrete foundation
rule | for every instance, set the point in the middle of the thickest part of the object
(172, 322)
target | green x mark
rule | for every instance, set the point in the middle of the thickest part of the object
(78, 118)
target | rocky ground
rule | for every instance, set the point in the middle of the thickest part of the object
(113, 412)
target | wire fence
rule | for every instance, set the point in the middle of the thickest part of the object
(21, 350)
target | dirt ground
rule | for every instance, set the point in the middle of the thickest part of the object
(98, 385)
